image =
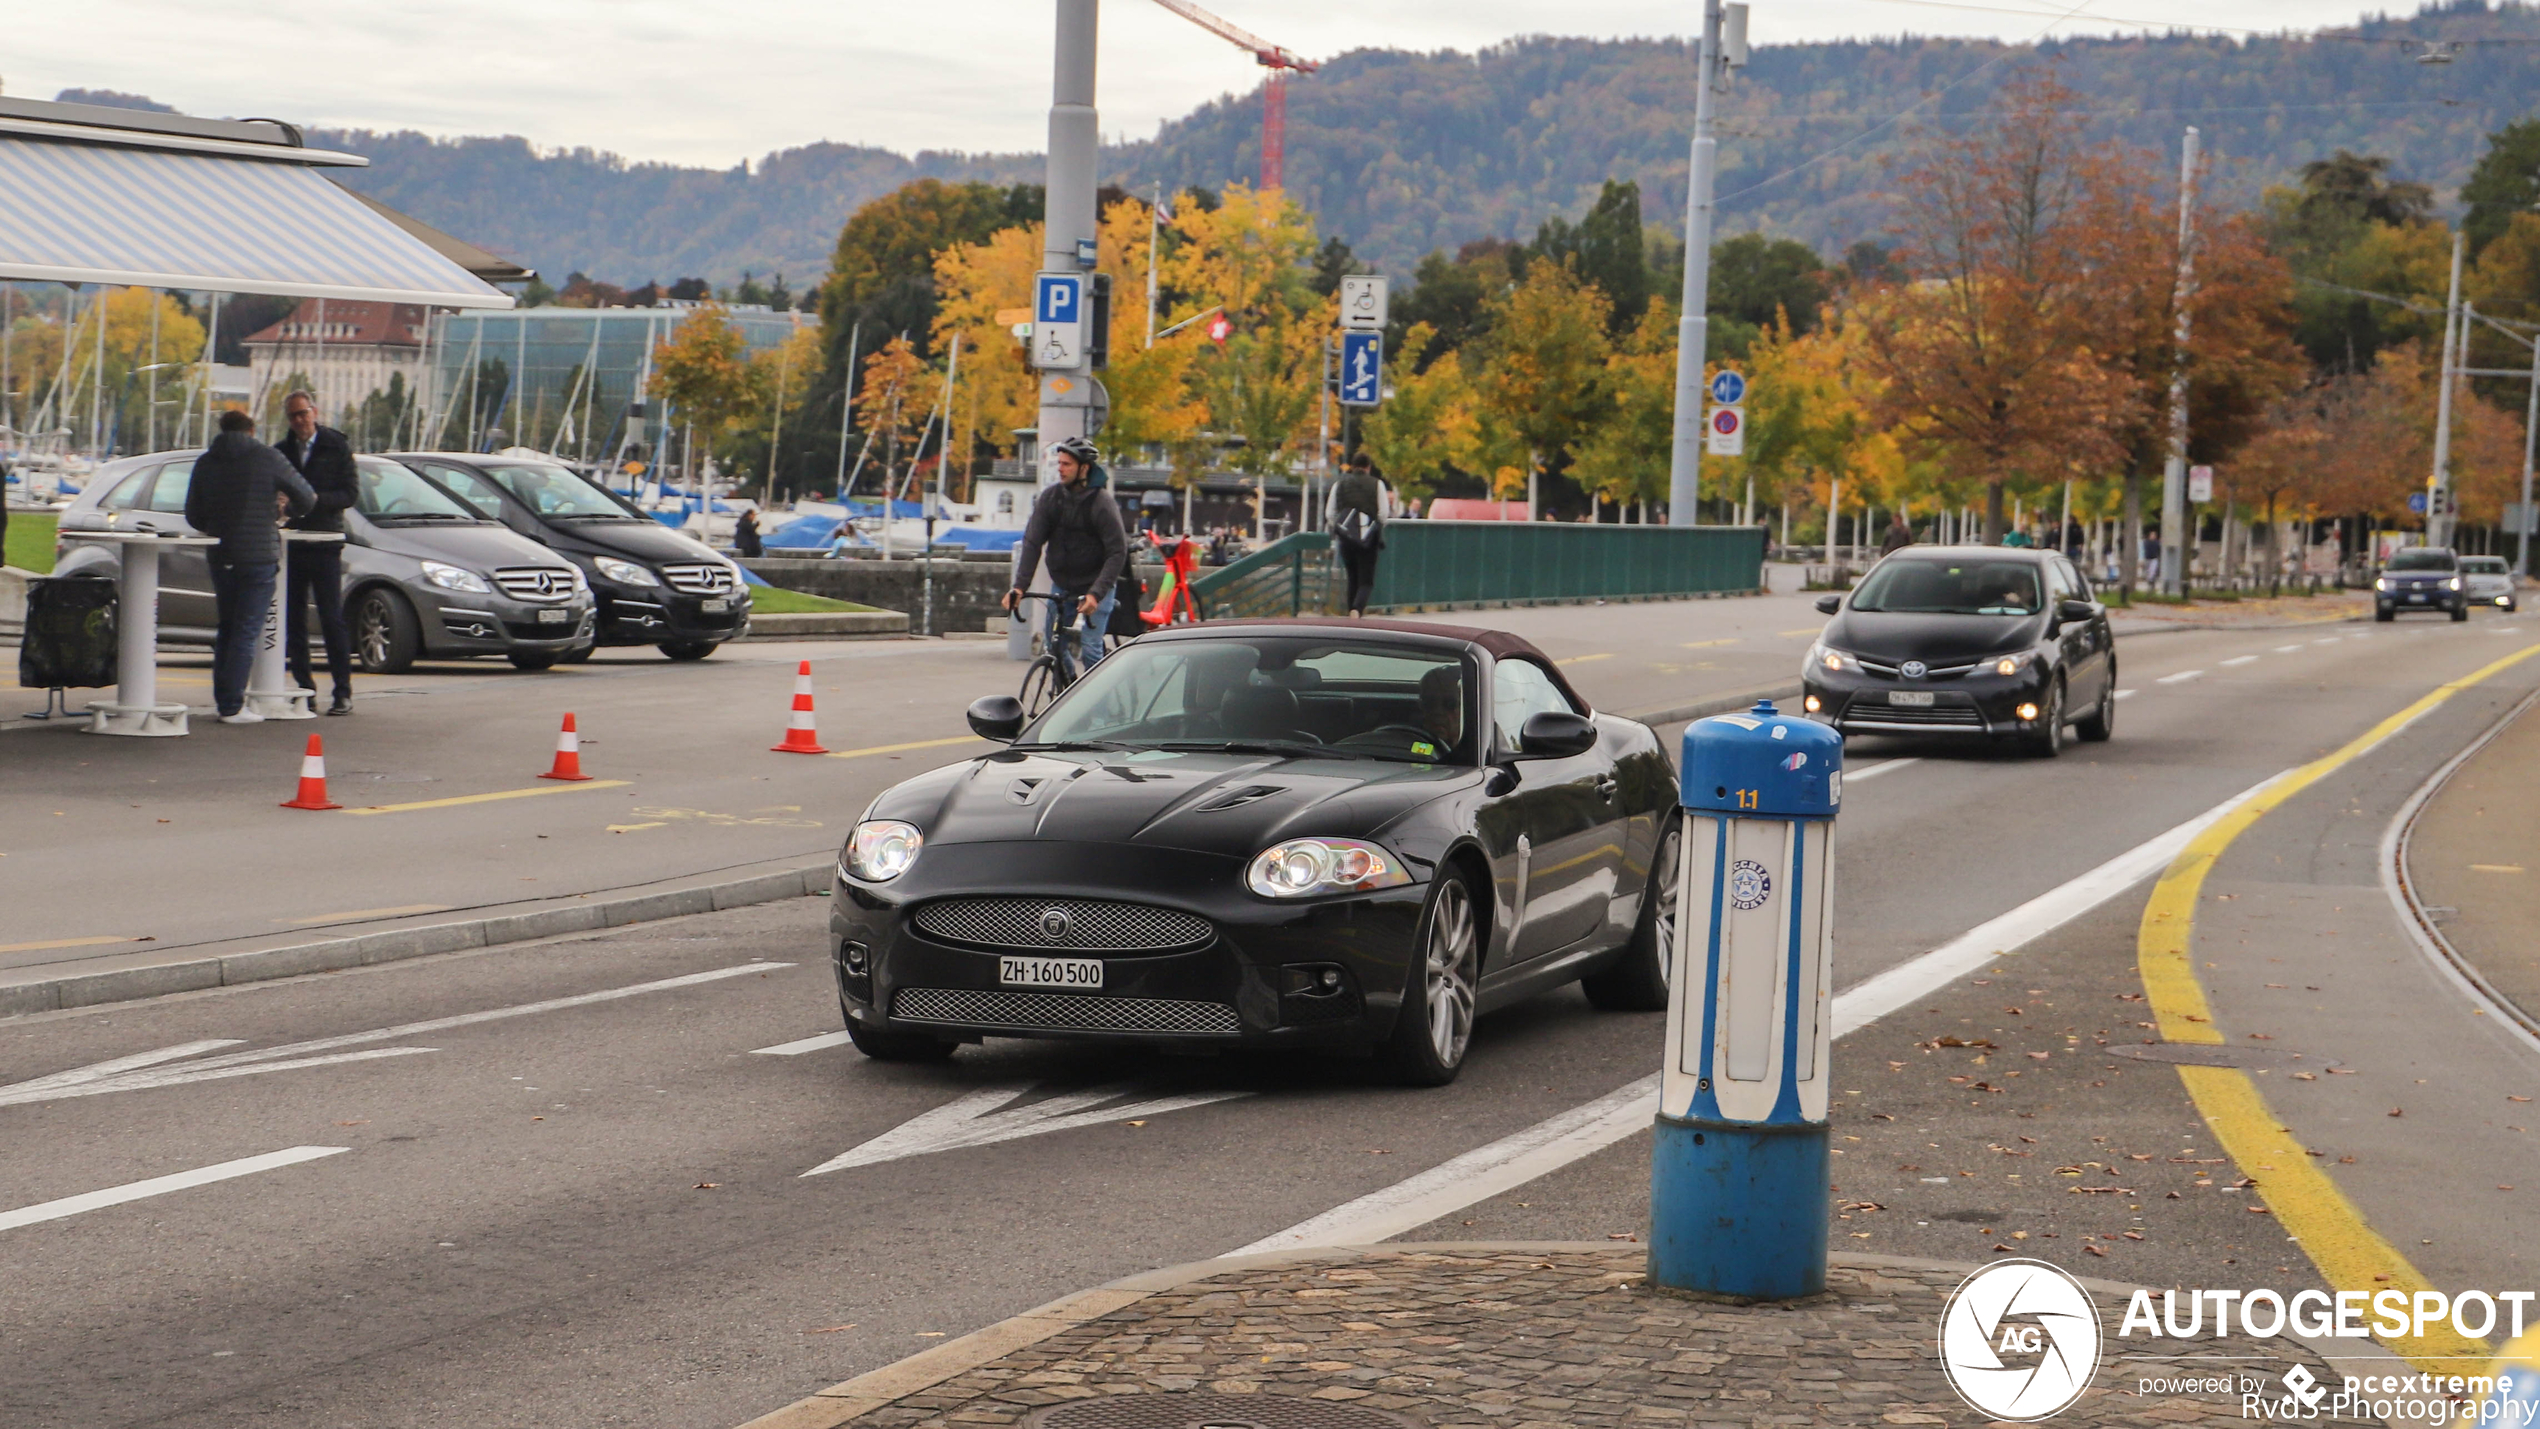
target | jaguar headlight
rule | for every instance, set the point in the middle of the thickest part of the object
(1302, 868)
(882, 849)
(450, 577)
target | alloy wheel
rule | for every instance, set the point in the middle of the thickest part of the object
(1669, 882)
(374, 635)
(1451, 955)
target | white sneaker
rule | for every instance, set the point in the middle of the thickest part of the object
(243, 717)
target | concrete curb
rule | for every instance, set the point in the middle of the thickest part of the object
(845, 1402)
(337, 954)
(835, 624)
(1729, 703)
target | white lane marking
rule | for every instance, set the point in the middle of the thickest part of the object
(2125, 694)
(99, 1071)
(2181, 675)
(821, 1043)
(2326, 640)
(1584, 1130)
(1855, 776)
(984, 1118)
(297, 1054)
(161, 1185)
(2240, 660)
(2286, 649)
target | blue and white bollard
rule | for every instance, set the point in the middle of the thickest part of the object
(1738, 1175)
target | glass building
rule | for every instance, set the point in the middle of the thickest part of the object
(568, 381)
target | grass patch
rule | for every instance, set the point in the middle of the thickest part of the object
(766, 600)
(30, 545)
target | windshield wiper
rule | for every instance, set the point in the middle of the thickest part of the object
(1250, 746)
(421, 516)
(1077, 746)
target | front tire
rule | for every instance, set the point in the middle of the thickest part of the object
(2459, 613)
(1434, 1030)
(2384, 616)
(1637, 981)
(386, 635)
(689, 649)
(2101, 722)
(534, 660)
(2048, 742)
(899, 1046)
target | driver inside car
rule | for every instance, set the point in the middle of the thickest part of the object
(1442, 704)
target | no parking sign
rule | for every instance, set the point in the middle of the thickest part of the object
(1728, 431)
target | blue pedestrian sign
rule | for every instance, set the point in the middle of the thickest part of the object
(1728, 389)
(1058, 326)
(1362, 369)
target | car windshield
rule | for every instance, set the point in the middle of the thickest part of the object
(1924, 586)
(1281, 694)
(2484, 565)
(552, 491)
(387, 491)
(2422, 560)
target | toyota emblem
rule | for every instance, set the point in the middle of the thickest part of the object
(1056, 924)
(1912, 669)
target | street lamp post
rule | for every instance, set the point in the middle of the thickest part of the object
(1693, 327)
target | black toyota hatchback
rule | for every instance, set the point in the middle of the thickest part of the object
(1312, 833)
(2004, 644)
(650, 585)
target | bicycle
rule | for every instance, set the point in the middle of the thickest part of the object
(1061, 660)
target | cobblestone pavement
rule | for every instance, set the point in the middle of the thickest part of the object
(1448, 1336)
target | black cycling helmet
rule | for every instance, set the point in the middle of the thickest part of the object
(1085, 452)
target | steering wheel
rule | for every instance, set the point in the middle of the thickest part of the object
(1414, 733)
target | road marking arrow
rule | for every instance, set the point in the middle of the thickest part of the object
(985, 1117)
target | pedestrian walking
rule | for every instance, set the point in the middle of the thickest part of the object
(315, 569)
(241, 493)
(1076, 525)
(1358, 528)
(1899, 535)
(745, 537)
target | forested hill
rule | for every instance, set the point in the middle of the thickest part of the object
(1400, 153)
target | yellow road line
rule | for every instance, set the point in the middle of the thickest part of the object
(369, 913)
(2304, 1199)
(1583, 659)
(1803, 630)
(901, 748)
(497, 795)
(62, 943)
(1707, 644)
(637, 828)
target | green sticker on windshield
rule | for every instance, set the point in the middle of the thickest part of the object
(1423, 749)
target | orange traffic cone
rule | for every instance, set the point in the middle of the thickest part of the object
(312, 780)
(800, 737)
(568, 754)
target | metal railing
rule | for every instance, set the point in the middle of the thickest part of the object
(1294, 575)
(1445, 565)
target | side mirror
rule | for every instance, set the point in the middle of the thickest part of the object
(2075, 610)
(1829, 604)
(1555, 734)
(997, 717)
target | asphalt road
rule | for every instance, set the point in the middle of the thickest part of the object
(597, 1213)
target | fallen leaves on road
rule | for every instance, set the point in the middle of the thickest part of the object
(828, 1329)
(2094, 1250)
(707, 1185)
(2398, 1111)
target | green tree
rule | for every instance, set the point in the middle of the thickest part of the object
(2506, 182)
(1542, 368)
(1449, 296)
(1758, 281)
(703, 370)
(1606, 248)
(1407, 436)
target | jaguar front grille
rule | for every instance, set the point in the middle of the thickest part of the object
(1043, 924)
(1062, 1012)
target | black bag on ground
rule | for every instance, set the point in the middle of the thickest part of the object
(70, 640)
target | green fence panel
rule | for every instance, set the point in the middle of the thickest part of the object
(1465, 563)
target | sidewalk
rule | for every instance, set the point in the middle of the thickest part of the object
(2473, 863)
(1451, 1335)
(2257, 614)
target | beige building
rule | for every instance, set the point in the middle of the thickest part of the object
(346, 350)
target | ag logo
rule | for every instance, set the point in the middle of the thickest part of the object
(2019, 1340)
(1749, 885)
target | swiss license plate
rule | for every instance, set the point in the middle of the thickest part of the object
(554, 617)
(1919, 699)
(1050, 972)
(714, 605)
(2416, 595)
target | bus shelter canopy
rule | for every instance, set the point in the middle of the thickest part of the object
(185, 213)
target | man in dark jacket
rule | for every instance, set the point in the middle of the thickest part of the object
(1899, 535)
(1358, 528)
(240, 494)
(324, 458)
(1076, 524)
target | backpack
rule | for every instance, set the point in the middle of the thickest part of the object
(1355, 526)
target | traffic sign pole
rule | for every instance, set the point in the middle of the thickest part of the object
(1693, 329)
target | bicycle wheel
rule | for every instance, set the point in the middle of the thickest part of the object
(1041, 685)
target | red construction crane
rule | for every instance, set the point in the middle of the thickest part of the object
(1274, 90)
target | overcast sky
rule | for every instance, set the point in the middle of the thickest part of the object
(697, 83)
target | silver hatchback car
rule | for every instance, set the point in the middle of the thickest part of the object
(424, 574)
(2488, 581)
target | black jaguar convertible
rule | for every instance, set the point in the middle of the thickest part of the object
(1346, 835)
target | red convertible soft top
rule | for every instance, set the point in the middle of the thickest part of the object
(1499, 643)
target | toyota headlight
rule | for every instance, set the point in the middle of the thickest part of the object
(624, 572)
(2381, 582)
(2453, 584)
(1301, 868)
(882, 849)
(1829, 658)
(450, 577)
(2009, 664)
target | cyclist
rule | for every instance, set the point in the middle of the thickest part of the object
(1075, 525)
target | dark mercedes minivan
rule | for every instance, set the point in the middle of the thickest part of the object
(1991, 641)
(652, 585)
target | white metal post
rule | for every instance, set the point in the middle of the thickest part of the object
(2438, 493)
(2530, 430)
(1693, 327)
